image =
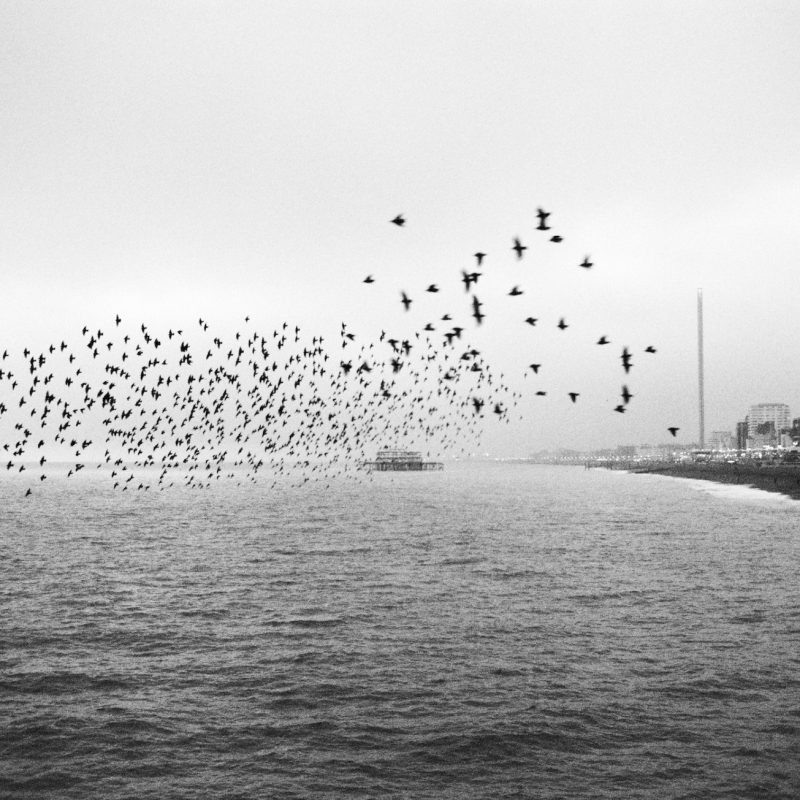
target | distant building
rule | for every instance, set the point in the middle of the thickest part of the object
(721, 440)
(741, 435)
(654, 452)
(765, 421)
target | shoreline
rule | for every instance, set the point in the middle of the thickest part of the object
(781, 478)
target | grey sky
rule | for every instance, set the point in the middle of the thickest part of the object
(170, 160)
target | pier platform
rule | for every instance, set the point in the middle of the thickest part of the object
(401, 461)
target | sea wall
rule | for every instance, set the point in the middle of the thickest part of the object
(783, 478)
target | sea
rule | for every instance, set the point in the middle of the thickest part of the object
(494, 630)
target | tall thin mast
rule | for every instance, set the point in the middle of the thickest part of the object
(700, 366)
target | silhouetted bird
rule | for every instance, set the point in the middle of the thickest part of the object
(519, 248)
(586, 264)
(673, 431)
(406, 300)
(626, 395)
(515, 292)
(369, 279)
(399, 220)
(573, 396)
(480, 257)
(626, 360)
(476, 310)
(531, 320)
(468, 278)
(563, 325)
(543, 215)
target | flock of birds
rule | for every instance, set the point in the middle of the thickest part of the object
(160, 408)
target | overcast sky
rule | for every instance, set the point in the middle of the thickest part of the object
(166, 161)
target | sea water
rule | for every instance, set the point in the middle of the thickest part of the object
(493, 630)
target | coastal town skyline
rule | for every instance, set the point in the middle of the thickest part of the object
(765, 427)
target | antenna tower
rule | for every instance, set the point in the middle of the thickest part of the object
(700, 367)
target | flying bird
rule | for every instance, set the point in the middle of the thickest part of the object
(432, 288)
(519, 248)
(650, 349)
(626, 395)
(476, 310)
(573, 396)
(586, 264)
(543, 215)
(480, 257)
(603, 340)
(626, 360)
(556, 239)
(369, 279)
(561, 324)
(515, 292)
(398, 220)
(405, 300)
(531, 320)
(673, 431)
(468, 278)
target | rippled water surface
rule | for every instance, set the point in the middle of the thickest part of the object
(488, 631)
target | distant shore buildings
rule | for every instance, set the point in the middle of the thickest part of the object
(767, 432)
(765, 426)
(721, 440)
(769, 424)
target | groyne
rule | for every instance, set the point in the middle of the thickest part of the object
(782, 478)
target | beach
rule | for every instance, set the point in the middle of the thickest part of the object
(782, 478)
